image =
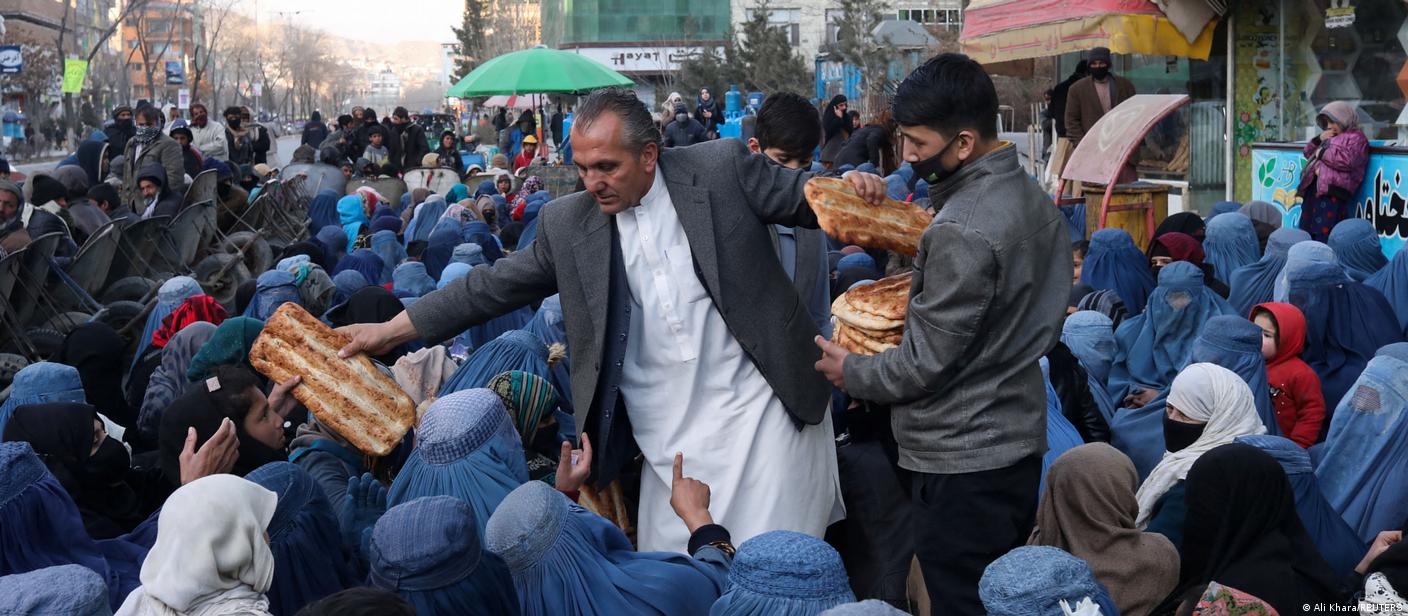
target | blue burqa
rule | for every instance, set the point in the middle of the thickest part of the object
(430, 552)
(1090, 336)
(309, 563)
(512, 350)
(1356, 245)
(1346, 323)
(1231, 244)
(1153, 345)
(1299, 257)
(1392, 281)
(1113, 262)
(323, 210)
(466, 447)
(1363, 470)
(392, 253)
(567, 560)
(1255, 284)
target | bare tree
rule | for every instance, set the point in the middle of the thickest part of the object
(149, 57)
(70, 119)
(215, 14)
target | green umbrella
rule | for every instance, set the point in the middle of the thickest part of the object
(537, 70)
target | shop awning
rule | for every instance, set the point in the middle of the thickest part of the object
(1001, 30)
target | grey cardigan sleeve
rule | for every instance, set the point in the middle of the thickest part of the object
(959, 273)
(487, 292)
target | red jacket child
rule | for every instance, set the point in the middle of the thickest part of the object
(1295, 389)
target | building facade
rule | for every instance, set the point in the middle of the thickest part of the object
(643, 39)
(38, 22)
(811, 24)
(159, 47)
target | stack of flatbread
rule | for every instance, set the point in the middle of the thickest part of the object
(892, 225)
(351, 395)
(870, 318)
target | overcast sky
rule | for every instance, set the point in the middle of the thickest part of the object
(372, 20)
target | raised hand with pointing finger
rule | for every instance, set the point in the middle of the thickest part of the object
(574, 466)
(690, 498)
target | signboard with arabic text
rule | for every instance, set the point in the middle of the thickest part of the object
(1382, 197)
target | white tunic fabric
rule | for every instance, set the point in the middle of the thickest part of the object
(690, 388)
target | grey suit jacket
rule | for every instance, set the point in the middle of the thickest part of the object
(725, 199)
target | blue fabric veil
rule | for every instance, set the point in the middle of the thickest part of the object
(467, 448)
(429, 551)
(352, 215)
(1231, 244)
(272, 289)
(1299, 257)
(364, 262)
(567, 560)
(70, 590)
(548, 326)
(784, 573)
(513, 350)
(1113, 262)
(1356, 245)
(309, 563)
(40, 383)
(1033, 580)
(323, 210)
(1338, 543)
(1255, 283)
(1346, 323)
(410, 279)
(1363, 471)
(1235, 344)
(1392, 281)
(1152, 345)
(392, 253)
(1090, 336)
(1061, 436)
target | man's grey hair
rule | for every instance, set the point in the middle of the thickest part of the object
(637, 125)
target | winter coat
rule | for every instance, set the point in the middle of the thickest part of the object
(210, 140)
(1339, 163)
(118, 133)
(163, 151)
(314, 132)
(1078, 405)
(835, 131)
(684, 131)
(1083, 104)
(710, 124)
(241, 146)
(1295, 388)
(864, 146)
(414, 146)
(259, 137)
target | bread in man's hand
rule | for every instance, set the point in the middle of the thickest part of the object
(893, 225)
(351, 396)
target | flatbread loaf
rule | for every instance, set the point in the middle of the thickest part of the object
(893, 225)
(887, 298)
(351, 396)
(856, 342)
(848, 314)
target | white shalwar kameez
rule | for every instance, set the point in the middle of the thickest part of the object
(690, 388)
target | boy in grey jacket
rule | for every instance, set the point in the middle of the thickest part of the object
(989, 292)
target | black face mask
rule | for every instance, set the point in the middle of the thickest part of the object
(233, 122)
(931, 169)
(125, 123)
(223, 188)
(1100, 73)
(110, 465)
(1178, 435)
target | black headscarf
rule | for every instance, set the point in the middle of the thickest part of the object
(1106, 302)
(244, 294)
(62, 434)
(97, 351)
(369, 305)
(1242, 530)
(197, 409)
(1189, 223)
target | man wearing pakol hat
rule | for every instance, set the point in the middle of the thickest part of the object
(1092, 97)
(525, 157)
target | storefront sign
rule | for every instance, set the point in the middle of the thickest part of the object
(1382, 197)
(1339, 15)
(11, 60)
(183, 98)
(175, 73)
(74, 72)
(640, 59)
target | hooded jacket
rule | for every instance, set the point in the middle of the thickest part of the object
(1295, 388)
(210, 139)
(120, 130)
(1339, 163)
(684, 131)
(163, 152)
(314, 132)
(168, 203)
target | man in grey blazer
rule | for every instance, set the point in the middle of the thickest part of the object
(686, 334)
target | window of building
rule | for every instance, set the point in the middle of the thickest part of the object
(832, 29)
(787, 19)
(950, 18)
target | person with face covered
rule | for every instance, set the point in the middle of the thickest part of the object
(123, 128)
(1093, 96)
(209, 135)
(240, 138)
(149, 146)
(232, 200)
(96, 469)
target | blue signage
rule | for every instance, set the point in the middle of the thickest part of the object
(175, 73)
(11, 60)
(1382, 197)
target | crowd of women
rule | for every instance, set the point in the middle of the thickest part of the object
(1226, 425)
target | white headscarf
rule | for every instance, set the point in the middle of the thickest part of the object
(1211, 394)
(211, 557)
